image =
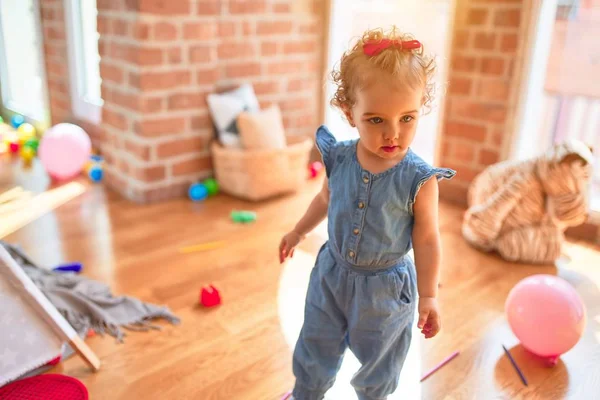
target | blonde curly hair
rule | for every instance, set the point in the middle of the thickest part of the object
(402, 67)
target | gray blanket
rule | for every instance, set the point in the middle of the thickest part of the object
(90, 304)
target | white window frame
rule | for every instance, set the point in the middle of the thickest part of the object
(42, 116)
(82, 107)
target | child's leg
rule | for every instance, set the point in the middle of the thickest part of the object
(322, 341)
(379, 324)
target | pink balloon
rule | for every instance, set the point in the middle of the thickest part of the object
(546, 314)
(64, 150)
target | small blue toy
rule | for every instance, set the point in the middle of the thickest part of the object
(198, 192)
(96, 173)
(71, 267)
(17, 120)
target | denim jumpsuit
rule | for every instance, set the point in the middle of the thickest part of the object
(362, 291)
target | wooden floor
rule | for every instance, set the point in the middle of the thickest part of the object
(242, 350)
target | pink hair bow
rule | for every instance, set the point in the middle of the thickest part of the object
(374, 48)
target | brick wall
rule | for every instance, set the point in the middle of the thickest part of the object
(159, 61)
(481, 90)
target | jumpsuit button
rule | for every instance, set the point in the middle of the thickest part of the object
(366, 179)
(361, 205)
(355, 231)
(351, 254)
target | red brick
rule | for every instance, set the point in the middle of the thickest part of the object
(477, 16)
(122, 99)
(492, 66)
(508, 18)
(147, 56)
(103, 25)
(286, 67)
(463, 63)
(207, 76)
(493, 89)
(141, 30)
(150, 174)
(304, 121)
(247, 6)
(134, 80)
(297, 85)
(463, 151)
(274, 27)
(281, 8)
(111, 73)
(463, 173)
(304, 46)
(466, 130)
(226, 29)
(498, 137)
(180, 146)
(193, 166)
(199, 30)
(124, 52)
(58, 87)
(201, 122)
(295, 104)
(123, 166)
(138, 150)
(174, 55)
(165, 31)
(201, 54)
(164, 7)
(231, 50)
(184, 101)
(310, 27)
(509, 42)
(460, 85)
(243, 70)
(248, 28)
(484, 41)
(57, 68)
(55, 33)
(114, 119)
(209, 7)
(498, 1)
(488, 157)
(160, 126)
(120, 27)
(478, 111)
(164, 80)
(268, 48)
(151, 104)
(261, 88)
(461, 39)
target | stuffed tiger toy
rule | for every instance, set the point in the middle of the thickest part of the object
(521, 209)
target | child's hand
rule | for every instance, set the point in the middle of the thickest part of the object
(288, 244)
(429, 317)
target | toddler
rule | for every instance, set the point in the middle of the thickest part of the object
(381, 202)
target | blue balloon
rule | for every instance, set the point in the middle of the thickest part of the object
(198, 192)
(96, 173)
(17, 120)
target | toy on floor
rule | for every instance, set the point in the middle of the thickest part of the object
(93, 168)
(521, 208)
(243, 217)
(515, 366)
(440, 365)
(546, 314)
(64, 150)
(16, 120)
(210, 297)
(47, 387)
(212, 186)
(197, 192)
(202, 247)
(315, 168)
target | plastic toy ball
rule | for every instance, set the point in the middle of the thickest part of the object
(26, 132)
(14, 147)
(1, 120)
(243, 217)
(315, 168)
(64, 150)
(17, 120)
(33, 143)
(198, 192)
(546, 314)
(95, 173)
(27, 154)
(212, 186)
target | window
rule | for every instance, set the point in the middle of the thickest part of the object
(22, 72)
(84, 60)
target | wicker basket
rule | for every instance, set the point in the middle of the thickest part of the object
(261, 174)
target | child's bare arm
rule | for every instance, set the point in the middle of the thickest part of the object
(427, 248)
(317, 211)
